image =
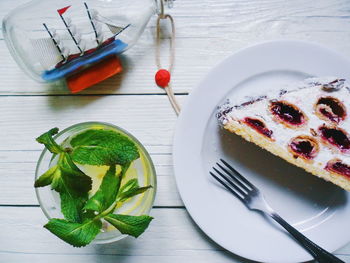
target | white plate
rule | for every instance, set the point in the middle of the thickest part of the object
(318, 209)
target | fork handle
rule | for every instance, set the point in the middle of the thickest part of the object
(321, 255)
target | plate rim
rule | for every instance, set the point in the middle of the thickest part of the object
(186, 107)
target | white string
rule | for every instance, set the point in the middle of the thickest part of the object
(168, 88)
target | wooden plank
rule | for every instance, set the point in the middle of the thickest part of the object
(137, 76)
(18, 169)
(255, 16)
(207, 32)
(195, 256)
(151, 119)
(26, 235)
(171, 236)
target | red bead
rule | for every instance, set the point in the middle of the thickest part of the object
(162, 78)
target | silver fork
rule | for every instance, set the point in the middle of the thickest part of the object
(251, 197)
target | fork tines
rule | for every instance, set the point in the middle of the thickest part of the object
(235, 182)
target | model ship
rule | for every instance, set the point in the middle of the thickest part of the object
(60, 62)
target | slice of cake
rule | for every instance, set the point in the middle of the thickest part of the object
(307, 126)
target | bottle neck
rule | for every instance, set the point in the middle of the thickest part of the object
(162, 5)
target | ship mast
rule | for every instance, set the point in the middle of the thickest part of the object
(61, 12)
(54, 41)
(92, 23)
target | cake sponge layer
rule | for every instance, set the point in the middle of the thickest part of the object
(252, 136)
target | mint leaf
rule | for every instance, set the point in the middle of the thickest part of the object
(72, 184)
(131, 193)
(132, 183)
(130, 225)
(103, 147)
(65, 174)
(125, 168)
(130, 189)
(47, 177)
(74, 177)
(49, 142)
(106, 194)
(78, 235)
(72, 206)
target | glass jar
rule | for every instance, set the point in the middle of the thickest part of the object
(142, 169)
(52, 39)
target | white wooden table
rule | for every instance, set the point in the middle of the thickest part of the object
(207, 32)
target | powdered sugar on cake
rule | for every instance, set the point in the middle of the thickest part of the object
(303, 96)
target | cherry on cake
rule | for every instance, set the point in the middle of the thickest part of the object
(307, 126)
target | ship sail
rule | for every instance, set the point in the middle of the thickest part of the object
(70, 28)
(92, 15)
(115, 29)
(46, 51)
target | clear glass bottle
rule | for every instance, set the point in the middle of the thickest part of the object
(50, 39)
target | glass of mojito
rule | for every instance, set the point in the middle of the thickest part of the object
(95, 183)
